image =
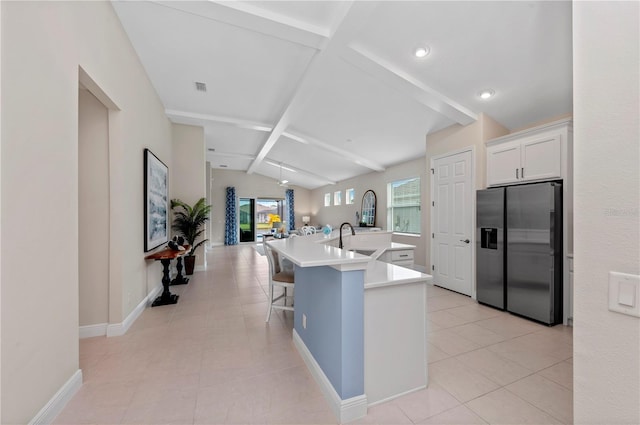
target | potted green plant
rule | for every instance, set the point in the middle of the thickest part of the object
(188, 222)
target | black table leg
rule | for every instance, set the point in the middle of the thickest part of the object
(179, 279)
(166, 297)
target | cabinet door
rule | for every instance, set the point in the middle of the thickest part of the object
(503, 163)
(541, 158)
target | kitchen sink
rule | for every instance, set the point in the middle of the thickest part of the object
(367, 252)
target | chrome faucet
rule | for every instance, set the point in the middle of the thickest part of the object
(353, 233)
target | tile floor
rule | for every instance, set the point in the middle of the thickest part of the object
(211, 359)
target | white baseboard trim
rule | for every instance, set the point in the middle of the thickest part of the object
(119, 329)
(89, 331)
(384, 400)
(200, 269)
(52, 409)
(345, 410)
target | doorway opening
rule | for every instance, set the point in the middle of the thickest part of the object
(247, 215)
(95, 285)
(259, 216)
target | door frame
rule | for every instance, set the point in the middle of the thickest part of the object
(252, 208)
(255, 199)
(472, 230)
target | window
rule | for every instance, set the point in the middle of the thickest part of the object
(403, 213)
(327, 199)
(337, 198)
(350, 194)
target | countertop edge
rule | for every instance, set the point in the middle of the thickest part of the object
(424, 280)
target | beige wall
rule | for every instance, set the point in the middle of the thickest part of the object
(248, 186)
(93, 210)
(44, 43)
(376, 181)
(606, 200)
(188, 179)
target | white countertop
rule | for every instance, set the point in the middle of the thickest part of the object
(379, 274)
(395, 246)
(310, 251)
(305, 252)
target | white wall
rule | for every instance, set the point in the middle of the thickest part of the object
(93, 214)
(376, 181)
(606, 199)
(0, 216)
(188, 179)
(248, 186)
(44, 43)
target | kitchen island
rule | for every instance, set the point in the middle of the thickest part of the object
(359, 324)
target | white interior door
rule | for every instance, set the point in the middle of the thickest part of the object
(452, 212)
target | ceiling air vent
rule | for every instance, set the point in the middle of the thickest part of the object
(201, 86)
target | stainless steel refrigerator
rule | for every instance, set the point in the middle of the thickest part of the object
(519, 250)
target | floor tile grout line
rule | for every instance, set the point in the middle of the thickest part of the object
(247, 318)
(537, 407)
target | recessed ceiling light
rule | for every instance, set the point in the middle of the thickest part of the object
(421, 51)
(486, 94)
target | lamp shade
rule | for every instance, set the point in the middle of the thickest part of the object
(306, 219)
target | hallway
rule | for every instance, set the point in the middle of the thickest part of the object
(211, 359)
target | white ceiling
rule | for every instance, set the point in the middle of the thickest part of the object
(332, 90)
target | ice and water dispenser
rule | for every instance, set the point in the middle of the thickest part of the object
(489, 237)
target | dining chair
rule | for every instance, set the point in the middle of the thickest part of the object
(307, 230)
(280, 278)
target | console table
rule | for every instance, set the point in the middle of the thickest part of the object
(165, 256)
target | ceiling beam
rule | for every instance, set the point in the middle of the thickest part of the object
(231, 155)
(256, 19)
(237, 122)
(302, 172)
(336, 150)
(399, 80)
(351, 18)
(258, 126)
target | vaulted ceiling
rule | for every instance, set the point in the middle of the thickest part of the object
(316, 92)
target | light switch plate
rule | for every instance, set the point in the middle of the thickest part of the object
(624, 293)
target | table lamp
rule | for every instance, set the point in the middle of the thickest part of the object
(306, 219)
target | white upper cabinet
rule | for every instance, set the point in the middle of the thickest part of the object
(503, 163)
(540, 158)
(532, 155)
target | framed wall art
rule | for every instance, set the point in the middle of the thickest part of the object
(156, 201)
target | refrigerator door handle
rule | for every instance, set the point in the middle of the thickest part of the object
(552, 235)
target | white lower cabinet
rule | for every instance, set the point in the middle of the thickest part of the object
(401, 257)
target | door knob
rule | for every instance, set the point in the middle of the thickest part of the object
(465, 240)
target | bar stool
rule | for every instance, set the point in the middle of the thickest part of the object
(280, 278)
